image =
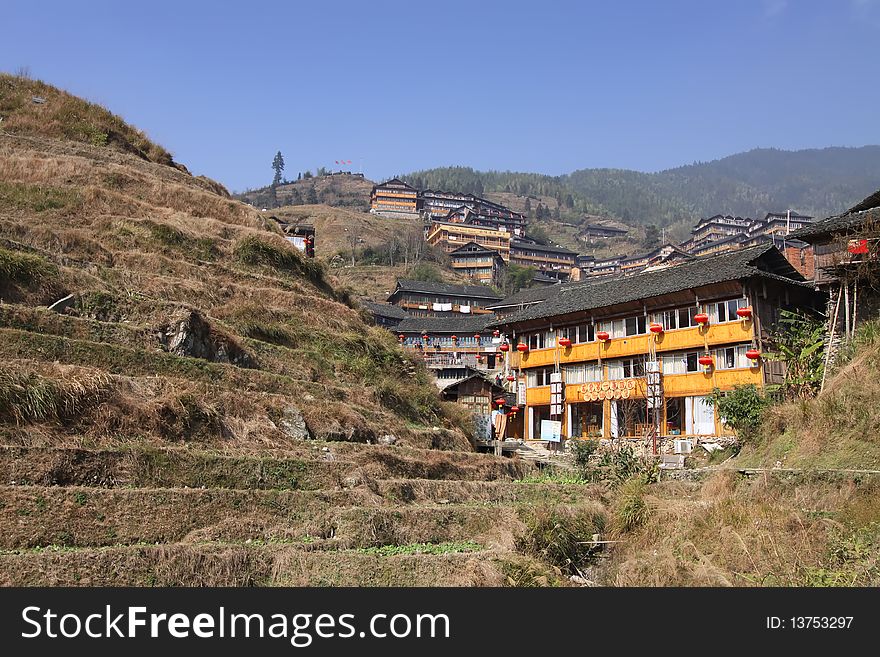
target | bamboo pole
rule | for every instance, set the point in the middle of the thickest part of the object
(830, 344)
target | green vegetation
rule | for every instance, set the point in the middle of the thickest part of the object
(24, 268)
(740, 409)
(203, 248)
(448, 547)
(561, 536)
(37, 198)
(819, 182)
(28, 397)
(67, 117)
(630, 509)
(798, 340)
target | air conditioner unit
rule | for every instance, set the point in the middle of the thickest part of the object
(683, 446)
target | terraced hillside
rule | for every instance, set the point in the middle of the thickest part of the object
(186, 400)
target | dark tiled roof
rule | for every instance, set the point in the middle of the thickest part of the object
(474, 375)
(517, 244)
(766, 261)
(528, 295)
(429, 287)
(469, 249)
(464, 325)
(590, 227)
(851, 220)
(385, 310)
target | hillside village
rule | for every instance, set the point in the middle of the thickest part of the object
(413, 387)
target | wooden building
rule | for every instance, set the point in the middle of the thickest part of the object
(394, 198)
(639, 355)
(553, 261)
(592, 232)
(452, 347)
(479, 263)
(450, 236)
(846, 263)
(475, 392)
(428, 299)
(385, 315)
(488, 215)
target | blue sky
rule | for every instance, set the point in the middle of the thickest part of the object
(397, 86)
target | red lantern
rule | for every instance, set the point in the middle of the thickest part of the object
(603, 335)
(504, 346)
(655, 328)
(401, 337)
(705, 360)
(496, 333)
(753, 354)
(701, 318)
(500, 401)
(522, 347)
(514, 409)
(511, 377)
(479, 358)
(564, 342)
(477, 336)
(744, 312)
(454, 338)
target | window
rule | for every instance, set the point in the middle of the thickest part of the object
(635, 325)
(614, 328)
(535, 341)
(676, 319)
(581, 333)
(627, 368)
(583, 373)
(725, 311)
(681, 363)
(729, 358)
(538, 377)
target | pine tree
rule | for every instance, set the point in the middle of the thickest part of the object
(278, 165)
(527, 208)
(311, 195)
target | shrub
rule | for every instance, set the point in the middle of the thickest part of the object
(29, 397)
(741, 409)
(583, 450)
(561, 536)
(630, 509)
(24, 269)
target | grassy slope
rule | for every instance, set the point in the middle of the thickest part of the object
(838, 429)
(815, 528)
(143, 246)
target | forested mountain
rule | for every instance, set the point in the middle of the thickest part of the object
(818, 182)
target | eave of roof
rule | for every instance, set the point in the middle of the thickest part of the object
(699, 272)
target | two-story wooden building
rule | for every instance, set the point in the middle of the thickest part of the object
(452, 347)
(394, 198)
(429, 299)
(846, 263)
(477, 262)
(554, 261)
(639, 355)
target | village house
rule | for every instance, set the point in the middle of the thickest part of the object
(450, 236)
(394, 198)
(479, 263)
(427, 298)
(385, 315)
(591, 232)
(553, 261)
(452, 347)
(639, 355)
(845, 263)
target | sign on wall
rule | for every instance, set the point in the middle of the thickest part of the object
(551, 430)
(599, 390)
